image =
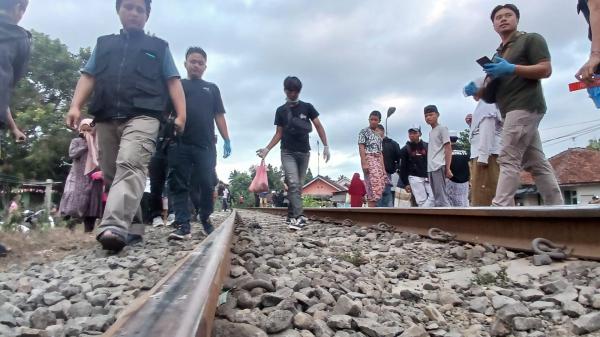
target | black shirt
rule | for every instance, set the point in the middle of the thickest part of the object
(391, 155)
(460, 165)
(413, 161)
(295, 142)
(203, 102)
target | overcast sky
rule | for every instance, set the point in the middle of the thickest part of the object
(352, 56)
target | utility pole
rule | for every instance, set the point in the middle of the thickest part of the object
(318, 158)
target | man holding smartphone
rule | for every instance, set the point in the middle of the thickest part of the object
(521, 61)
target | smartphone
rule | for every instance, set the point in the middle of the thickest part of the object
(483, 61)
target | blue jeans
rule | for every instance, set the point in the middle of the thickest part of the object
(387, 198)
(191, 171)
(294, 166)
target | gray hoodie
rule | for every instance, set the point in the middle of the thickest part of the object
(15, 46)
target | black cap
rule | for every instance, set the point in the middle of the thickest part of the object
(431, 108)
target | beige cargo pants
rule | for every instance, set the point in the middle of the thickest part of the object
(522, 150)
(125, 148)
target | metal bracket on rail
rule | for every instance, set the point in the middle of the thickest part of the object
(543, 246)
(440, 235)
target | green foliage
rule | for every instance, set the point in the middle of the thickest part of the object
(500, 279)
(39, 104)
(238, 185)
(308, 202)
(594, 144)
(464, 142)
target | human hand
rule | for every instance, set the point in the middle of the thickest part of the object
(449, 174)
(262, 153)
(470, 89)
(227, 148)
(179, 124)
(586, 73)
(326, 154)
(73, 118)
(482, 165)
(19, 135)
(500, 67)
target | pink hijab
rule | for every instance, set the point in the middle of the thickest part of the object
(91, 163)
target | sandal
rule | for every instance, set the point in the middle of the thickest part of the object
(111, 241)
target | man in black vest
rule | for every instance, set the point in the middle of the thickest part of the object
(132, 76)
(192, 159)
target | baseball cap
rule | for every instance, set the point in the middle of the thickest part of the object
(415, 127)
(431, 108)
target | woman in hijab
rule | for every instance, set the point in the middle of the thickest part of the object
(357, 191)
(82, 196)
(371, 159)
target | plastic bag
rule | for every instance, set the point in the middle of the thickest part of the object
(260, 182)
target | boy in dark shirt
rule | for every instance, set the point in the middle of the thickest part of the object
(15, 45)
(192, 159)
(458, 185)
(132, 76)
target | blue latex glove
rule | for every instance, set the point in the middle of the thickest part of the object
(594, 93)
(471, 89)
(499, 68)
(227, 148)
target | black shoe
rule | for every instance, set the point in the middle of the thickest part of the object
(297, 224)
(111, 241)
(208, 227)
(180, 234)
(133, 239)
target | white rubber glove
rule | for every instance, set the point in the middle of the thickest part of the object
(326, 154)
(262, 152)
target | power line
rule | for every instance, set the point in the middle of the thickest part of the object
(567, 125)
(576, 134)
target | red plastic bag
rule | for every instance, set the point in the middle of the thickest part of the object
(260, 182)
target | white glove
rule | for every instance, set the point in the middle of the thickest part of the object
(326, 154)
(262, 152)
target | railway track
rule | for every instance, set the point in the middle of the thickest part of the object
(184, 302)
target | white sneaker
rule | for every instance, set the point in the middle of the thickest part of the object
(297, 224)
(158, 222)
(170, 219)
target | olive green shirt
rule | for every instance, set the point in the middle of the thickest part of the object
(515, 92)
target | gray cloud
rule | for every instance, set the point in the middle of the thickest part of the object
(353, 56)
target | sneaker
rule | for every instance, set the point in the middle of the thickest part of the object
(297, 224)
(170, 219)
(304, 219)
(288, 221)
(180, 234)
(158, 222)
(208, 227)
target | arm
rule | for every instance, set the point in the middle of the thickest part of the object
(83, 90)
(534, 72)
(404, 169)
(178, 98)
(588, 69)
(363, 158)
(18, 134)
(78, 148)
(487, 130)
(276, 138)
(448, 157)
(320, 131)
(222, 126)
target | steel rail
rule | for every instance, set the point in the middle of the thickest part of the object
(510, 227)
(184, 302)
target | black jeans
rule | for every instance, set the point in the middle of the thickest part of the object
(191, 173)
(157, 170)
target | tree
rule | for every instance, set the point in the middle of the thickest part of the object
(39, 104)
(238, 185)
(308, 177)
(594, 144)
(464, 141)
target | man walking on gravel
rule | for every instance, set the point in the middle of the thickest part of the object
(521, 61)
(293, 125)
(192, 158)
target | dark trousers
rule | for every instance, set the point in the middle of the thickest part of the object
(191, 169)
(157, 170)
